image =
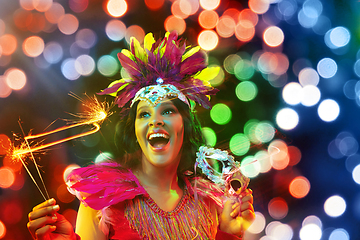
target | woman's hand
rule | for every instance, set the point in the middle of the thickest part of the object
(46, 224)
(236, 216)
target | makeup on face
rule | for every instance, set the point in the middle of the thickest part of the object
(159, 130)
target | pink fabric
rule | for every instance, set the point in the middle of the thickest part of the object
(104, 184)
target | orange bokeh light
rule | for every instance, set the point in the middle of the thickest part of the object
(154, 4)
(232, 12)
(5, 90)
(294, 154)
(42, 5)
(278, 152)
(27, 4)
(273, 36)
(208, 40)
(2, 230)
(244, 31)
(177, 11)
(15, 78)
(173, 23)
(208, 19)
(37, 23)
(116, 8)
(5, 144)
(282, 63)
(135, 31)
(226, 26)
(259, 6)
(22, 18)
(299, 187)
(19, 181)
(8, 161)
(7, 177)
(33, 46)
(8, 44)
(278, 208)
(209, 4)
(249, 15)
(55, 13)
(68, 24)
(63, 194)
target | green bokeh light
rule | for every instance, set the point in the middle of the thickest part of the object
(108, 66)
(221, 114)
(250, 130)
(210, 136)
(250, 167)
(239, 144)
(246, 91)
(265, 131)
(244, 70)
(230, 62)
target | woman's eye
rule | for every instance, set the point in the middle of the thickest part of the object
(144, 114)
(168, 111)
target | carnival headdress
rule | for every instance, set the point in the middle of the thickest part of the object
(163, 68)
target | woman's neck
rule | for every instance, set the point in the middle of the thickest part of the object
(162, 185)
(162, 179)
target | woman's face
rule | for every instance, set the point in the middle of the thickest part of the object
(159, 131)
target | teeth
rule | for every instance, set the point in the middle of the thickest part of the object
(158, 135)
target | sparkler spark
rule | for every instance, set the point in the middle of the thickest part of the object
(95, 113)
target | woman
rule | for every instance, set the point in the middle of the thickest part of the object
(152, 194)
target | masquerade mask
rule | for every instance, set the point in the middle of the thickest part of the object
(221, 168)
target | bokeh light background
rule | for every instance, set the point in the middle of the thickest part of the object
(288, 105)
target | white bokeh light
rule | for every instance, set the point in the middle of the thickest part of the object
(356, 174)
(292, 93)
(258, 225)
(85, 65)
(311, 95)
(287, 118)
(310, 232)
(328, 110)
(308, 76)
(335, 206)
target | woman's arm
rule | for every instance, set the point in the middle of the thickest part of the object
(87, 224)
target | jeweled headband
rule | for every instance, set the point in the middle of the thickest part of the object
(160, 69)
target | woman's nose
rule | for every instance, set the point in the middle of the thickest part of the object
(156, 122)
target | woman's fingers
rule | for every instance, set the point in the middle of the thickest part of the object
(247, 196)
(41, 222)
(41, 233)
(44, 211)
(47, 203)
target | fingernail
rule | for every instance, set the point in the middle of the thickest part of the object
(52, 228)
(56, 207)
(54, 217)
(51, 201)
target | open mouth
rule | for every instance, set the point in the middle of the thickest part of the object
(158, 140)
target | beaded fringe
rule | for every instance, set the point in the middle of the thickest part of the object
(153, 223)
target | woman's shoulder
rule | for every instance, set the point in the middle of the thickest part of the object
(104, 184)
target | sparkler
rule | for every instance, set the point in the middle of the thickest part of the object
(95, 114)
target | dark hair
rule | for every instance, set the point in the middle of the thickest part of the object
(129, 149)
